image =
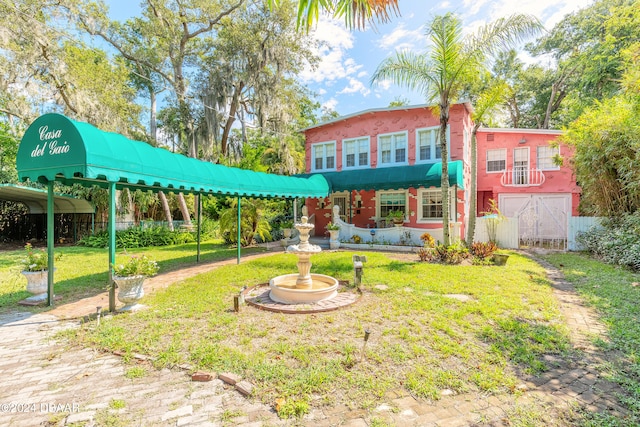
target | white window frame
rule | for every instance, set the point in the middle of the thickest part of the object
(357, 142)
(435, 131)
(322, 145)
(452, 208)
(393, 136)
(555, 151)
(495, 150)
(379, 200)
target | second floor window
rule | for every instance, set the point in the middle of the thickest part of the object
(496, 160)
(545, 157)
(428, 144)
(392, 148)
(356, 152)
(324, 156)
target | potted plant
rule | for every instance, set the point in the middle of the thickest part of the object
(129, 279)
(397, 217)
(334, 234)
(35, 267)
(287, 228)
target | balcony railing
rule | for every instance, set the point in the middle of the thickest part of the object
(522, 177)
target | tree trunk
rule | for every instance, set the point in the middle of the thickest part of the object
(473, 203)
(153, 124)
(233, 108)
(185, 211)
(166, 209)
(444, 180)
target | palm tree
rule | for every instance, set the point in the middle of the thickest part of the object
(485, 104)
(452, 62)
(355, 12)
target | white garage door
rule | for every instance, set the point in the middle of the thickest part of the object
(542, 218)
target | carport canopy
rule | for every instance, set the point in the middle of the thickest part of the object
(57, 148)
(36, 200)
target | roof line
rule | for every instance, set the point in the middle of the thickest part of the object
(382, 109)
(522, 130)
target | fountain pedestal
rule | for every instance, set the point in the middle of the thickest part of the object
(303, 287)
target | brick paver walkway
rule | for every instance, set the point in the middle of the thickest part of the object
(45, 383)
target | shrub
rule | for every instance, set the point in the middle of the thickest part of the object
(356, 239)
(453, 254)
(482, 250)
(425, 254)
(138, 265)
(616, 242)
(138, 238)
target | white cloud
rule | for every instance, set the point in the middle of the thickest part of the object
(550, 12)
(330, 104)
(355, 86)
(334, 41)
(384, 84)
(400, 38)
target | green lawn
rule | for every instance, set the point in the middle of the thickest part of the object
(82, 271)
(422, 340)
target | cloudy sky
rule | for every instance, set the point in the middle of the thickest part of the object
(349, 58)
(342, 80)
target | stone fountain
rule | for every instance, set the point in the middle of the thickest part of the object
(304, 287)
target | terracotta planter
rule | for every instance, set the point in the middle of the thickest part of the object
(37, 284)
(130, 290)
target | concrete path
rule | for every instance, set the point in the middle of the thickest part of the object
(45, 383)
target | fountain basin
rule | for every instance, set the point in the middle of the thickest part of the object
(284, 290)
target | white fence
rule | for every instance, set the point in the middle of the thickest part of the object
(508, 231)
(578, 224)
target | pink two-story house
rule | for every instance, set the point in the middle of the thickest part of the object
(388, 159)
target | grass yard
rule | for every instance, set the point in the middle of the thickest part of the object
(82, 272)
(615, 293)
(423, 338)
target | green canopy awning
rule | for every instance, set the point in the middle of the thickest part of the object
(394, 178)
(57, 148)
(36, 200)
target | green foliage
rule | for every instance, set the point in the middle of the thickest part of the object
(8, 152)
(607, 140)
(138, 237)
(293, 408)
(137, 265)
(252, 222)
(617, 242)
(35, 260)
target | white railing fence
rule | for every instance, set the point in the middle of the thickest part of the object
(508, 231)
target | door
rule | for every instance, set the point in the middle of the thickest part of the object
(521, 166)
(341, 199)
